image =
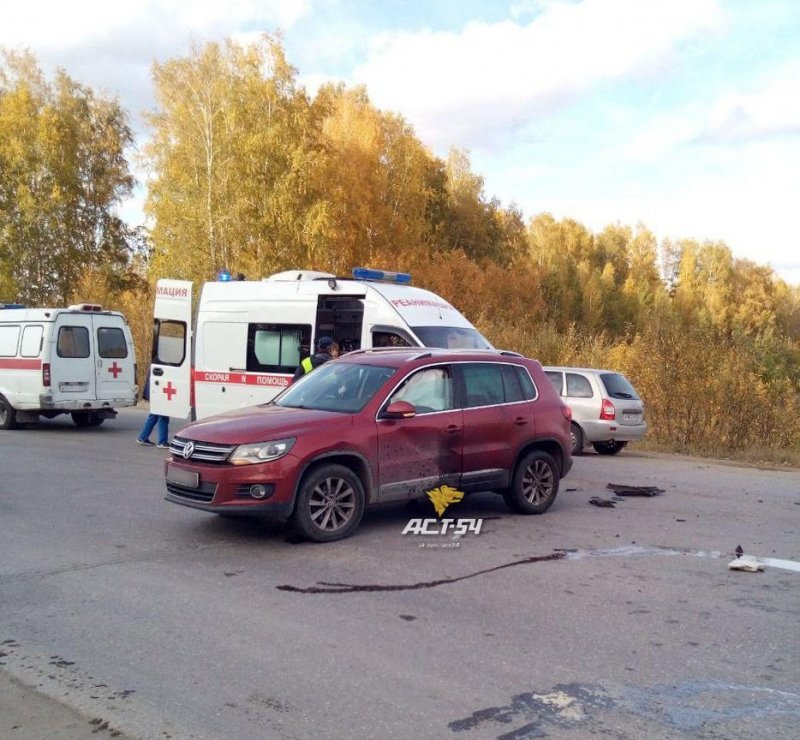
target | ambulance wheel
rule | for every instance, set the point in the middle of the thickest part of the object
(8, 416)
(330, 503)
(86, 419)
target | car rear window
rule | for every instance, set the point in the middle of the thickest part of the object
(578, 386)
(555, 377)
(618, 386)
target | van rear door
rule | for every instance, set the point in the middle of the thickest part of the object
(171, 370)
(72, 358)
(115, 358)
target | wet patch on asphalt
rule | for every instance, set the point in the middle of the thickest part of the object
(688, 707)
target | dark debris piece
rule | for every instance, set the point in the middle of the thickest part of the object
(622, 489)
(603, 502)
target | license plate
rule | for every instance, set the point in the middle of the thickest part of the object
(73, 387)
(182, 477)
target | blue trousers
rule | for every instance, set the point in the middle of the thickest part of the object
(163, 428)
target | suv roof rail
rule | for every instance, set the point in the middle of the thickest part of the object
(362, 350)
(509, 353)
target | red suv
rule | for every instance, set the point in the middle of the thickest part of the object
(377, 426)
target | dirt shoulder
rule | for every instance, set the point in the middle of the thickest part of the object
(26, 714)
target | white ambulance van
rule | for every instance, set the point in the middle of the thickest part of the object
(77, 360)
(249, 337)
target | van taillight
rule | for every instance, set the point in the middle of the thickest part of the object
(566, 412)
(607, 410)
(46, 374)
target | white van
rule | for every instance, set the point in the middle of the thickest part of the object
(77, 360)
(249, 337)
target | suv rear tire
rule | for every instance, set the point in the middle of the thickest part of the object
(535, 484)
(8, 416)
(608, 448)
(330, 504)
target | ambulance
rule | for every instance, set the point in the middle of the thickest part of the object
(78, 360)
(247, 338)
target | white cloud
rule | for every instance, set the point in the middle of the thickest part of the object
(773, 110)
(736, 119)
(457, 87)
(54, 24)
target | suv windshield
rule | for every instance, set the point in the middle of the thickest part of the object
(618, 386)
(334, 386)
(451, 337)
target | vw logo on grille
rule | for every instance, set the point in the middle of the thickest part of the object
(188, 450)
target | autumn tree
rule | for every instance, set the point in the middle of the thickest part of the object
(63, 172)
(231, 157)
(381, 188)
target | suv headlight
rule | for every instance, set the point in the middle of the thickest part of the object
(260, 452)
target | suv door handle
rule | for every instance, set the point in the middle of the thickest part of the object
(520, 420)
(453, 428)
(158, 371)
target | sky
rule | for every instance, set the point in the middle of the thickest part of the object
(683, 116)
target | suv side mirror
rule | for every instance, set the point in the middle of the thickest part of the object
(399, 410)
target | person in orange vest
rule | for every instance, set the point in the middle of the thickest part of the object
(327, 349)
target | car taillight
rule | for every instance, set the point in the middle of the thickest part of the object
(607, 410)
(46, 374)
(566, 411)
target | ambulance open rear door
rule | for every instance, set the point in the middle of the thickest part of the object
(171, 370)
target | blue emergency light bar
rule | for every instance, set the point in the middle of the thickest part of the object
(224, 276)
(364, 273)
(12, 305)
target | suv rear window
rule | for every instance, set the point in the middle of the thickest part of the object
(517, 384)
(618, 386)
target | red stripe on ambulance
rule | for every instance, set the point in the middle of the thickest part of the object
(14, 364)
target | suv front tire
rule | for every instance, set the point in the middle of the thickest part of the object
(535, 484)
(330, 503)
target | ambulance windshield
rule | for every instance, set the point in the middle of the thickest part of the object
(451, 337)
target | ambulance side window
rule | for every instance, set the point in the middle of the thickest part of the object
(169, 342)
(276, 348)
(111, 342)
(9, 336)
(73, 341)
(31, 341)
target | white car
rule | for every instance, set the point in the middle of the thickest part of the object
(606, 410)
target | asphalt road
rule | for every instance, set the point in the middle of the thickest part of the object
(157, 621)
